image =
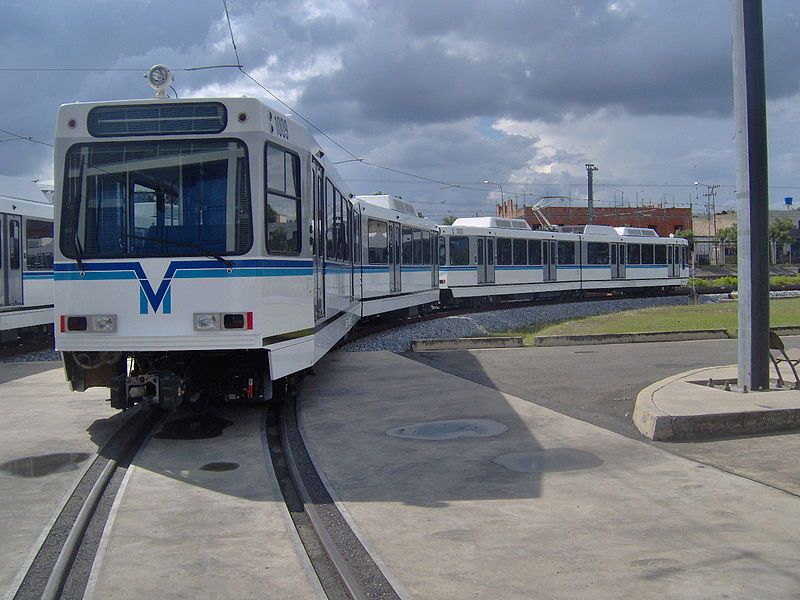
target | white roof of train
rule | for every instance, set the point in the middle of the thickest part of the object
(388, 207)
(493, 222)
(390, 202)
(21, 196)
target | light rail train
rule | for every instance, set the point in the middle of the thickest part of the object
(26, 261)
(209, 248)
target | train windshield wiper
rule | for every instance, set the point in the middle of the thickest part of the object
(228, 264)
(76, 203)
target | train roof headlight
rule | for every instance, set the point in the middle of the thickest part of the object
(160, 78)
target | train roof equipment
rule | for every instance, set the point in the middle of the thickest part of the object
(492, 222)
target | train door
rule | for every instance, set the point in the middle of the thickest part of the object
(481, 256)
(485, 255)
(549, 260)
(434, 260)
(395, 261)
(489, 260)
(12, 260)
(318, 231)
(674, 260)
(618, 254)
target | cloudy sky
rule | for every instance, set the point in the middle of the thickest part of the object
(519, 92)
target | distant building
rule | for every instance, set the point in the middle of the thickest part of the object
(709, 250)
(664, 220)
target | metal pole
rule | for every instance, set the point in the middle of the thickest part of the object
(590, 169)
(750, 111)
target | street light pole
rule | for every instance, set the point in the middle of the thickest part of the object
(590, 169)
(498, 185)
(750, 110)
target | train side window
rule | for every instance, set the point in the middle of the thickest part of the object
(417, 247)
(377, 242)
(647, 254)
(661, 254)
(442, 251)
(14, 261)
(597, 253)
(426, 247)
(566, 253)
(459, 250)
(283, 201)
(534, 252)
(38, 245)
(408, 247)
(503, 251)
(520, 252)
(634, 254)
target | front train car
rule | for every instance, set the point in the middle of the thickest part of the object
(190, 250)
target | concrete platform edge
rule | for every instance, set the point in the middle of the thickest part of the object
(475, 343)
(658, 425)
(627, 338)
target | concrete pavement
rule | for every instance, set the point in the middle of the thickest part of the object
(551, 507)
(48, 437)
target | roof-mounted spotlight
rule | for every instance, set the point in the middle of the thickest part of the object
(160, 78)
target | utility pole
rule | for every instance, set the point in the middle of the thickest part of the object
(752, 191)
(711, 216)
(590, 169)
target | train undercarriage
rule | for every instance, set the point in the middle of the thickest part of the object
(165, 380)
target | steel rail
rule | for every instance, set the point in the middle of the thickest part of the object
(346, 574)
(122, 447)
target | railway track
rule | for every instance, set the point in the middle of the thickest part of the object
(343, 566)
(63, 562)
(390, 321)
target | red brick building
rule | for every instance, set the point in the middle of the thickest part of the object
(664, 220)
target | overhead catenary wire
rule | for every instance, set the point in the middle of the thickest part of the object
(103, 69)
(26, 138)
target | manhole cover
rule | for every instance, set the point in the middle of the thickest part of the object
(550, 460)
(44, 464)
(448, 430)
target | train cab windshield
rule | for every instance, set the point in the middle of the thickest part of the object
(157, 198)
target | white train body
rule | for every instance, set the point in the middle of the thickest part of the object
(489, 256)
(208, 247)
(187, 233)
(398, 256)
(26, 260)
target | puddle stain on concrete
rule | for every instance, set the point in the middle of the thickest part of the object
(44, 464)
(218, 467)
(548, 461)
(448, 430)
(193, 427)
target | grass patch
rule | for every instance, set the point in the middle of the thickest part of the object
(732, 281)
(784, 312)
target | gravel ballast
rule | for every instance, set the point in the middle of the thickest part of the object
(483, 323)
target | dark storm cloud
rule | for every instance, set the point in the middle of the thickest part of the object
(427, 62)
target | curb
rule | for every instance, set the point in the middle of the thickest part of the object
(628, 338)
(475, 343)
(656, 424)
